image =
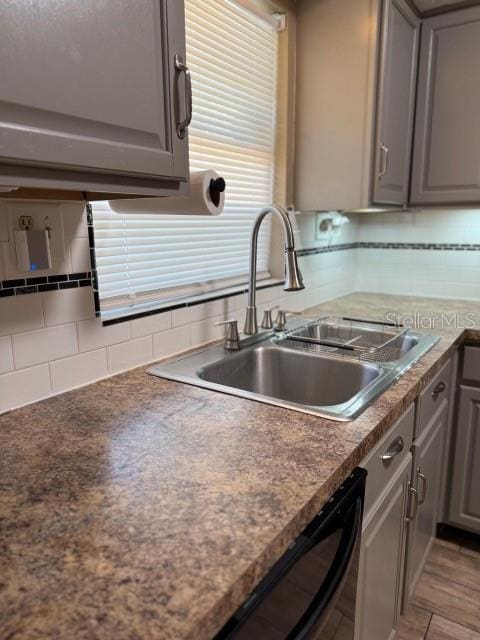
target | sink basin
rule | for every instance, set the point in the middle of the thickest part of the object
(332, 383)
(291, 375)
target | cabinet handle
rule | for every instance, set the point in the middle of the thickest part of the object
(394, 449)
(438, 389)
(422, 477)
(412, 492)
(181, 67)
(383, 160)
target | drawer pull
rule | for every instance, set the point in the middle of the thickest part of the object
(412, 493)
(438, 389)
(420, 476)
(394, 449)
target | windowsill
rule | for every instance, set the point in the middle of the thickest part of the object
(141, 310)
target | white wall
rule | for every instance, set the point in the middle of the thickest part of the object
(51, 342)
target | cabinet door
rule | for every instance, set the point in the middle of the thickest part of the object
(427, 470)
(336, 56)
(92, 87)
(396, 102)
(447, 132)
(465, 495)
(382, 562)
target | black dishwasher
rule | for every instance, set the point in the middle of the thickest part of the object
(310, 592)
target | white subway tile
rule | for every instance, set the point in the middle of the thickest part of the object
(67, 305)
(240, 301)
(435, 272)
(472, 234)
(20, 313)
(43, 345)
(151, 324)
(23, 387)
(462, 258)
(129, 355)
(170, 342)
(188, 314)
(268, 294)
(471, 276)
(78, 370)
(6, 354)
(200, 311)
(74, 218)
(80, 255)
(93, 335)
(206, 331)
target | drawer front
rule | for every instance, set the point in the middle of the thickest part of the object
(387, 456)
(471, 364)
(432, 397)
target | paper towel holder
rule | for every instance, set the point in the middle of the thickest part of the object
(216, 187)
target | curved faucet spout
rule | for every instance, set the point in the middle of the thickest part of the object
(293, 277)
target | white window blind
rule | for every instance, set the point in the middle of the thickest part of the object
(232, 54)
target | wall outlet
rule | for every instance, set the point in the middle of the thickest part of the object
(38, 216)
(323, 225)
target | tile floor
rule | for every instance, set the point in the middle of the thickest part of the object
(446, 604)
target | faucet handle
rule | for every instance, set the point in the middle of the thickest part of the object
(232, 339)
(267, 322)
(281, 319)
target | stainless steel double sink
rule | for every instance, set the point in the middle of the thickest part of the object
(331, 382)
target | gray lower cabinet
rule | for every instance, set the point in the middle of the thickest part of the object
(465, 490)
(402, 507)
(382, 562)
(427, 479)
(396, 102)
(382, 554)
(446, 155)
(92, 95)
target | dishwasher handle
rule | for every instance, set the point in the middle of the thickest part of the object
(333, 580)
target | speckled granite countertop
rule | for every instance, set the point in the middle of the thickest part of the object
(138, 508)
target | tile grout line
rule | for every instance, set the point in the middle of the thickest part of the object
(425, 637)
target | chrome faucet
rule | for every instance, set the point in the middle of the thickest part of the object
(293, 277)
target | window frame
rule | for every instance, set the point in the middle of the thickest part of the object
(283, 187)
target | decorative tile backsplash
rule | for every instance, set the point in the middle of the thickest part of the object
(51, 341)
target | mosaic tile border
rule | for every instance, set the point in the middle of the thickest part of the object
(419, 246)
(40, 284)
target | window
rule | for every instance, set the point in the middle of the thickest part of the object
(143, 260)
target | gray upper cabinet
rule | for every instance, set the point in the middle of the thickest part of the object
(355, 95)
(446, 163)
(396, 103)
(465, 494)
(91, 95)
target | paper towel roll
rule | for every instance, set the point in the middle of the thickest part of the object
(207, 198)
